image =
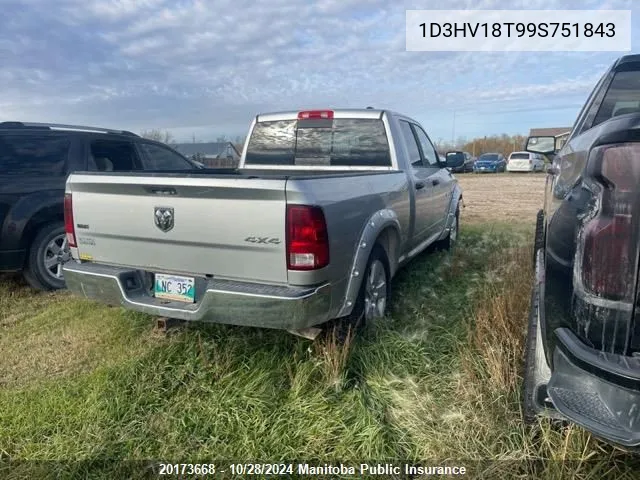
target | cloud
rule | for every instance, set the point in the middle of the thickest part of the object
(183, 64)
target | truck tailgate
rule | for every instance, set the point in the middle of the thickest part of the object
(230, 228)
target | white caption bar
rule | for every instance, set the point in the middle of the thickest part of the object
(518, 30)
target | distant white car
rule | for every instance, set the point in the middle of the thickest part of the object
(525, 162)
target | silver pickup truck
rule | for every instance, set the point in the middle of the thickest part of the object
(324, 208)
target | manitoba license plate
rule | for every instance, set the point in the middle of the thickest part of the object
(174, 287)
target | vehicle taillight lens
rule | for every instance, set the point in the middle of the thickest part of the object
(315, 114)
(68, 220)
(307, 238)
(610, 243)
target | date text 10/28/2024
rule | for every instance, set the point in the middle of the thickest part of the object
(286, 469)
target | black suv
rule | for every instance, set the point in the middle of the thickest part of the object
(583, 347)
(466, 166)
(35, 160)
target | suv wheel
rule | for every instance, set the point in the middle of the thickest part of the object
(48, 252)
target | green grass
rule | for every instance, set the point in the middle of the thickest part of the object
(438, 381)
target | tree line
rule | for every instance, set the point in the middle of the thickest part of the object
(167, 138)
(504, 144)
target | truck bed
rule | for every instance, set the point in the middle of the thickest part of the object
(216, 217)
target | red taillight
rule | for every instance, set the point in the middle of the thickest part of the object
(68, 220)
(607, 266)
(315, 114)
(307, 238)
(610, 248)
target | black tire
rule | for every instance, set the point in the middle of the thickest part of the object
(356, 320)
(529, 376)
(536, 372)
(40, 256)
(538, 242)
(449, 243)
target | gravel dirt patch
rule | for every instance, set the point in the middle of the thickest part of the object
(501, 197)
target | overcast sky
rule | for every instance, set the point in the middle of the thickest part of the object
(206, 67)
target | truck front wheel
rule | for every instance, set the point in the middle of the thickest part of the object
(450, 240)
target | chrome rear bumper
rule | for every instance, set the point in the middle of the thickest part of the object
(217, 301)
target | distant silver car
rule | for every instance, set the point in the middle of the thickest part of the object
(322, 211)
(525, 162)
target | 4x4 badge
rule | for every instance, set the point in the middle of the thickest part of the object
(163, 217)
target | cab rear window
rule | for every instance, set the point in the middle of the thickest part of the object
(520, 156)
(319, 142)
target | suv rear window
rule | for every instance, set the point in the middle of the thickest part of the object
(33, 155)
(520, 156)
(323, 142)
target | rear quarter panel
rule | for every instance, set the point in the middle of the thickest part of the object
(28, 203)
(21, 214)
(350, 204)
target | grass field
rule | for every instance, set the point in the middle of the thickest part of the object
(438, 381)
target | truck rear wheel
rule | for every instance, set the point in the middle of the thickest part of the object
(373, 297)
(47, 254)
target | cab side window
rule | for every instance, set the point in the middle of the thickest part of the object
(415, 159)
(430, 154)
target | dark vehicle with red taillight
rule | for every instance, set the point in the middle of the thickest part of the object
(35, 159)
(324, 208)
(583, 346)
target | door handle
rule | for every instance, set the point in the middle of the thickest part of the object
(419, 185)
(435, 182)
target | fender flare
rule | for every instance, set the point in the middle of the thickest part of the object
(375, 225)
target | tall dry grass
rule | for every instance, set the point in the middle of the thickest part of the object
(492, 362)
(498, 329)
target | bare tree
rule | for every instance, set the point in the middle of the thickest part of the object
(504, 144)
(158, 135)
